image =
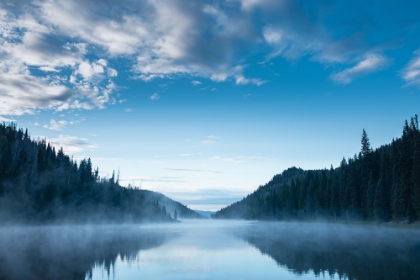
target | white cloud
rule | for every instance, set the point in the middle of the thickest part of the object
(46, 53)
(61, 124)
(248, 5)
(69, 81)
(370, 64)
(196, 83)
(4, 119)
(22, 93)
(72, 144)
(271, 35)
(411, 72)
(56, 125)
(87, 70)
(48, 69)
(154, 96)
(241, 80)
(239, 159)
(112, 72)
(128, 110)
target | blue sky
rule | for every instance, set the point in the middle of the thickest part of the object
(206, 100)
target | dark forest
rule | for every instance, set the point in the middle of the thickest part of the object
(41, 185)
(375, 185)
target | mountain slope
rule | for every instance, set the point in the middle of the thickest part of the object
(206, 214)
(379, 185)
(40, 185)
(183, 211)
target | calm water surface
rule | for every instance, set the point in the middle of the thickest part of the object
(210, 250)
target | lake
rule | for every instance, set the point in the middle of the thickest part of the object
(210, 250)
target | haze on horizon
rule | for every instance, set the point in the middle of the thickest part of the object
(206, 100)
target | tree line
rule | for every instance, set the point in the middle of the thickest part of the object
(40, 184)
(374, 185)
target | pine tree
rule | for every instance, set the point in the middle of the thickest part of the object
(367, 187)
(366, 148)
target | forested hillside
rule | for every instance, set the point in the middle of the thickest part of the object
(379, 185)
(39, 184)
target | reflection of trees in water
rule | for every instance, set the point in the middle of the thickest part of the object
(70, 252)
(351, 252)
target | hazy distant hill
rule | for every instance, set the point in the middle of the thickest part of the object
(41, 185)
(374, 185)
(206, 214)
(255, 205)
(183, 211)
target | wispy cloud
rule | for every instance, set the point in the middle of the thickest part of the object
(239, 159)
(411, 72)
(370, 64)
(210, 140)
(154, 96)
(4, 119)
(128, 110)
(61, 124)
(56, 125)
(196, 83)
(41, 69)
(48, 60)
(72, 144)
(241, 80)
(192, 170)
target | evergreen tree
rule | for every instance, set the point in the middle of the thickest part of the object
(39, 184)
(366, 148)
(381, 184)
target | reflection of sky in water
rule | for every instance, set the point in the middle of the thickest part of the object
(210, 250)
(202, 252)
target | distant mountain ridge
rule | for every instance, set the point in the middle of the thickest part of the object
(183, 212)
(252, 208)
(206, 214)
(41, 185)
(374, 185)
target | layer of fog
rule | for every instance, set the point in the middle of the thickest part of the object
(350, 251)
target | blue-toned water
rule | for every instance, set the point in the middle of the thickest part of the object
(210, 250)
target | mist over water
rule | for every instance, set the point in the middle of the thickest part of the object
(347, 251)
(210, 250)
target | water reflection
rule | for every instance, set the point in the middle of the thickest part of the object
(210, 250)
(351, 252)
(71, 252)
